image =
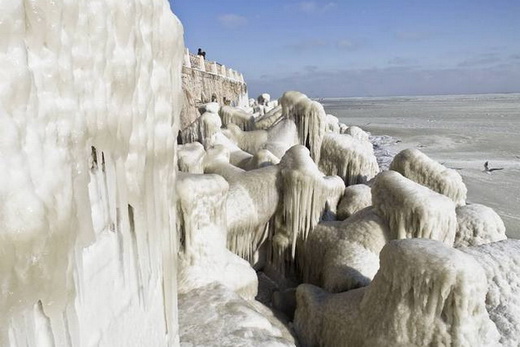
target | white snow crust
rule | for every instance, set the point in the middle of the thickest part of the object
(478, 224)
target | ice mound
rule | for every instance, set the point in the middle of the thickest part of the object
(354, 199)
(501, 263)
(204, 128)
(190, 157)
(412, 210)
(344, 255)
(265, 121)
(424, 294)
(310, 119)
(418, 167)
(333, 124)
(307, 196)
(201, 224)
(215, 316)
(351, 159)
(478, 224)
(356, 132)
(233, 115)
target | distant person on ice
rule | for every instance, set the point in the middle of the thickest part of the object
(201, 52)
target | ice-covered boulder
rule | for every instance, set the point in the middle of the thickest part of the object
(265, 121)
(478, 224)
(354, 199)
(356, 132)
(412, 210)
(190, 157)
(202, 226)
(344, 255)
(501, 263)
(233, 115)
(424, 294)
(204, 128)
(349, 158)
(263, 99)
(418, 167)
(332, 124)
(215, 316)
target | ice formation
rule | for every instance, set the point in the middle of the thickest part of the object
(424, 294)
(345, 255)
(354, 199)
(501, 263)
(88, 248)
(310, 119)
(265, 121)
(190, 157)
(418, 167)
(356, 132)
(204, 128)
(228, 321)
(307, 196)
(413, 210)
(333, 124)
(202, 227)
(233, 115)
(349, 158)
(478, 224)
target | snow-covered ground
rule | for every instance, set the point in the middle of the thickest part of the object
(460, 131)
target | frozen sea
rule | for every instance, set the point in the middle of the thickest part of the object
(460, 131)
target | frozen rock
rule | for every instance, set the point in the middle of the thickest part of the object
(478, 224)
(351, 159)
(233, 115)
(204, 129)
(190, 157)
(418, 167)
(357, 133)
(332, 124)
(501, 263)
(267, 120)
(203, 256)
(412, 210)
(354, 199)
(215, 316)
(344, 255)
(424, 294)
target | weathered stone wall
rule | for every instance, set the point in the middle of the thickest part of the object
(204, 81)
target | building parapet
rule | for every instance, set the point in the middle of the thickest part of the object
(197, 62)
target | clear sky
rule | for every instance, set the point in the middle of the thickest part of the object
(328, 48)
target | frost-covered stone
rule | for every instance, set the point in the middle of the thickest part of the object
(333, 124)
(354, 199)
(265, 121)
(204, 128)
(233, 115)
(424, 294)
(190, 157)
(412, 210)
(501, 263)
(356, 132)
(478, 224)
(418, 167)
(349, 158)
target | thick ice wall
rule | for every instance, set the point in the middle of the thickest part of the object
(344, 255)
(202, 227)
(501, 263)
(354, 199)
(74, 75)
(351, 159)
(412, 210)
(310, 119)
(233, 115)
(191, 157)
(307, 196)
(424, 294)
(418, 167)
(478, 224)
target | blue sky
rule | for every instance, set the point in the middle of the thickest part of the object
(328, 48)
